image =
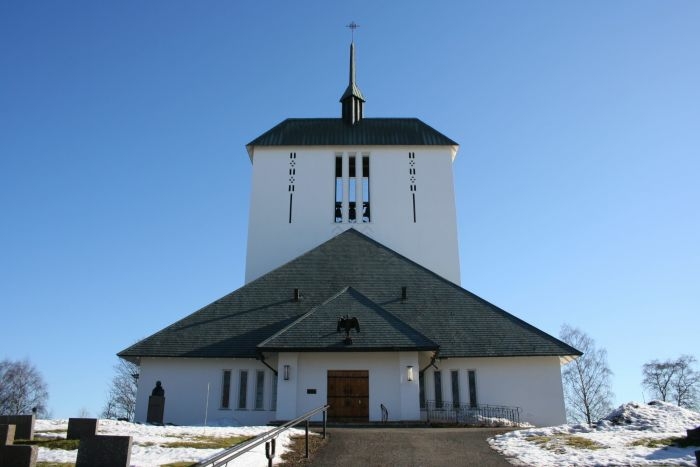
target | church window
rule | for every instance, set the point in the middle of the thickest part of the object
(338, 208)
(226, 389)
(437, 375)
(243, 389)
(365, 189)
(292, 181)
(455, 387)
(352, 189)
(472, 388)
(259, 389)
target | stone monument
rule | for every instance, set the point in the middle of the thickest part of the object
(79, 428)
(156, 405)
(105, 451)
(24, 425)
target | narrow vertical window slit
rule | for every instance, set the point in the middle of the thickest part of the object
(472, 388)
(259, 389)
(225, 389)
(455, 388)
(414, 208)
(243, 389)
(437, 378)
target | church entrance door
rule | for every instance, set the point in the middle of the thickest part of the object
(348, 395)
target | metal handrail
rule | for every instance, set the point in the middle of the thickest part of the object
(269, 438)
(447, 412)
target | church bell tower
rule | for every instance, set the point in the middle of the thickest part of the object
(388, 178)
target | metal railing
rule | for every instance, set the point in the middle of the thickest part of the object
(480, 415)
(269, 438)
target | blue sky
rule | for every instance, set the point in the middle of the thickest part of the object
(124, 181)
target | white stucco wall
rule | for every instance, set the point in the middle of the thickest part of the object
(531, 383)
(431, 241)
(388, 383)
(185, 383)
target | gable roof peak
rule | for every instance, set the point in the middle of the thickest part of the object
(319, 329)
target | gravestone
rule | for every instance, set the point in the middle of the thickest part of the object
(156, 405)
(18, 456)
(7, 434)
(79, 428)
(105, 451)
(694, 435)
(24, 425)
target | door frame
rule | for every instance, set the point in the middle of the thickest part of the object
(351, 389)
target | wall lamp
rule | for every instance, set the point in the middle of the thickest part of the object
(286, 372)
(409, 372)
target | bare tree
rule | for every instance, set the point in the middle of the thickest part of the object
(587, 385)
(121, 401)
(673, 380)
(657, 378)
(22, 389)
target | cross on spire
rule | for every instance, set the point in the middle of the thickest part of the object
(352, 26)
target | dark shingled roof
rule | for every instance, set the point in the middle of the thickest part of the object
(335, 132)
(379, 329)
(435, 310)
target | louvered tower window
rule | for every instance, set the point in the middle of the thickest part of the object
(338, 188)
(365, 189)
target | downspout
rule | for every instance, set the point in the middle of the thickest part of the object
(420, 375)
(432, 362)
(261, 357)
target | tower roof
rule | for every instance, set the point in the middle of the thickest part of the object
(352, 90)
(368, 132)
(352, 99)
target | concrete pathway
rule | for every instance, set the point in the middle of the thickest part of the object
(409, 447)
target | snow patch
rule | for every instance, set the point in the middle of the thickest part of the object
(148, 440)
(621, 438)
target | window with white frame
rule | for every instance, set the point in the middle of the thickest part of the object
(454, 375)
(437, 378)
(226, 389)
(259, 389)
(472, 388)
(242, 389)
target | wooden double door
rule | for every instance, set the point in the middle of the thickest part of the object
(348, 395)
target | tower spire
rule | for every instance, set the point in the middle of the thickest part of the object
(352, 99)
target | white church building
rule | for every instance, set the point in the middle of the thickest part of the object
(353, 218)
